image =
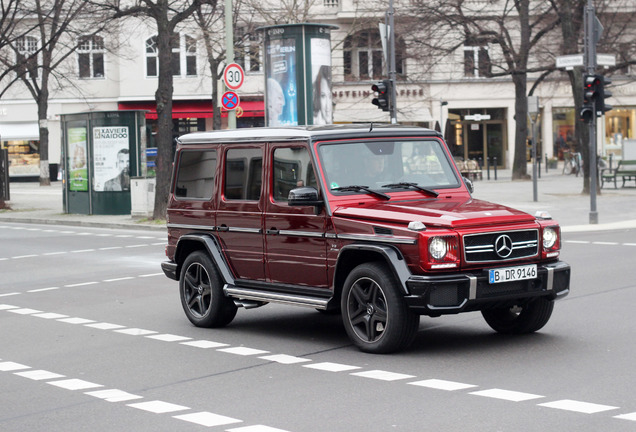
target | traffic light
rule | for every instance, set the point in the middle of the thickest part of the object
(601, 106)
(587, 112)
(382, 90)
(591, 88)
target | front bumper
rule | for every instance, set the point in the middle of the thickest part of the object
(450, 294)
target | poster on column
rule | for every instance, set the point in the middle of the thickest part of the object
(282, 88)
(111, 158)
(78, 172)
(321, 81)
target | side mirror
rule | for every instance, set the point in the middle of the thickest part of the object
(304, 196)
(469, 184)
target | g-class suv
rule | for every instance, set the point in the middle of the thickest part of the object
(374, 222)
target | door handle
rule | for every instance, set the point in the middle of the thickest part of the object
(272, 231)
(223, 228)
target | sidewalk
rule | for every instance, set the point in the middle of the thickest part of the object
(558, 194)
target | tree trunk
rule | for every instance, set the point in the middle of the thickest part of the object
(43, 104)
(520, 164)
(163, 98)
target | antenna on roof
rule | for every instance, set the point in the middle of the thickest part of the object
(371, 127)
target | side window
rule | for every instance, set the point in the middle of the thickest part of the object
(243, 172)
(292, 168)
(195, 178)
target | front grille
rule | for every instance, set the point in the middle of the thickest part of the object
(501, 246)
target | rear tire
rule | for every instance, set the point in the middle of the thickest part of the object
(201, 291)
(520, 319)
(375, 315)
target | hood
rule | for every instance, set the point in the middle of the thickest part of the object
(448, 213)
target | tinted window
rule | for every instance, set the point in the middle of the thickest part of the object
(292, 168)
(243, 171)
(195, 178)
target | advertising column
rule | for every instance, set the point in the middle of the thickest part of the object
(298, 75)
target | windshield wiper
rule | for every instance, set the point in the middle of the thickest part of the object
(411, 185)
(359, 188)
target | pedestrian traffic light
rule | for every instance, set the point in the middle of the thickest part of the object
(382, 90)
(601, 106)
(591, 88)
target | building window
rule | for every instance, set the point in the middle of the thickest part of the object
(248, 51)
(26, 57)
(91, 57)
(183, 56)
(477, 61)
(363, 57)
(330, 3)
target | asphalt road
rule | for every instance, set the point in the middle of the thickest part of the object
(93, 338)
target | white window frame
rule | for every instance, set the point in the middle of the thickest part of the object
(91, 50)
(30, 46)
(187, 48)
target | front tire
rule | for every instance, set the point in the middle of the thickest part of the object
(520, 319)
(200, 288)
(375, 315)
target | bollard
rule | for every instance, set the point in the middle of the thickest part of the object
(488, 168)
(546, 163)
(495, 164)
(611, 156)
(539, 167)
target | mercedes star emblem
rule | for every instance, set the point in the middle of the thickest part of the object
(503, 246)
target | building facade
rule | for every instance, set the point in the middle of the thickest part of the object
(458, 94)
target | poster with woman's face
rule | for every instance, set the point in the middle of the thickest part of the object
(281, 88)
(321, 81)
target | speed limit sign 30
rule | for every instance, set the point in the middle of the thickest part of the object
(233, 76)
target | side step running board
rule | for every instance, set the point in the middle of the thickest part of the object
(271, 297)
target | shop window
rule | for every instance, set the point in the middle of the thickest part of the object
(477, 61)
(90, 57)
(183, 56)
(363, 57)
(26, 56)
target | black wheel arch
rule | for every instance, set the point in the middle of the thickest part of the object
(205, 242)
(353, 255)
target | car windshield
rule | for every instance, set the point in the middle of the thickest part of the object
(387, 166)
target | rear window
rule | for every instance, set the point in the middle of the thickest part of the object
(195, 177)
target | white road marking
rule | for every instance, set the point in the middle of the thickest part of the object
(605, 243)
(118, 279)
(81, 284)
(50, 315)
(23, 256)
(113, 395)
(158, 407)
(25, 311)
(74, 384)
(630, 416)
(43, 289)
(244, 351)
(9, 294)
(136, 246)
(382, 375)
(204, 344)
(207, 419)
(55, 253)
(442, 384)
(7, 307)
(285, 359)
(38, 375)
(150, 275)
(110, 248)
(168, 337)
(105, 326)
(577, 406)
(508, 395)
(331, 367)
(83, 250)
(76, 320)
(136, 332)
(11, 366)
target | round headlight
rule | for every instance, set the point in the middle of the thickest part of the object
(438, 248)
(549, 238)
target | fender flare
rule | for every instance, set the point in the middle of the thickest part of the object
(214, 250)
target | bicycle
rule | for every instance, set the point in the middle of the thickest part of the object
(573, 163)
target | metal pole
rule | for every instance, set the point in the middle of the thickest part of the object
(535, 195)
(229, 56)
(392, 72)
(590, 51)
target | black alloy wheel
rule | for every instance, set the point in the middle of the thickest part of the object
(201, 292)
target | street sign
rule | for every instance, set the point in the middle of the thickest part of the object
(239, 112)
(230, 100)
(233, 76)
(569, 61)
(477, 117)
(605, 59)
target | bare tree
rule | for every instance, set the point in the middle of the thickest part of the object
(48, 31)
(516, 27)
(167, 15)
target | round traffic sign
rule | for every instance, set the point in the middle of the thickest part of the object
(233, 76)
(230, 100)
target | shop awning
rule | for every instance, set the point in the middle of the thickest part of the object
(28, 131)
(194, 108)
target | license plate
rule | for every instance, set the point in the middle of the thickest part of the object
(509, 274)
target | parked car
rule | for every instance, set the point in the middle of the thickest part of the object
(373, 221)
